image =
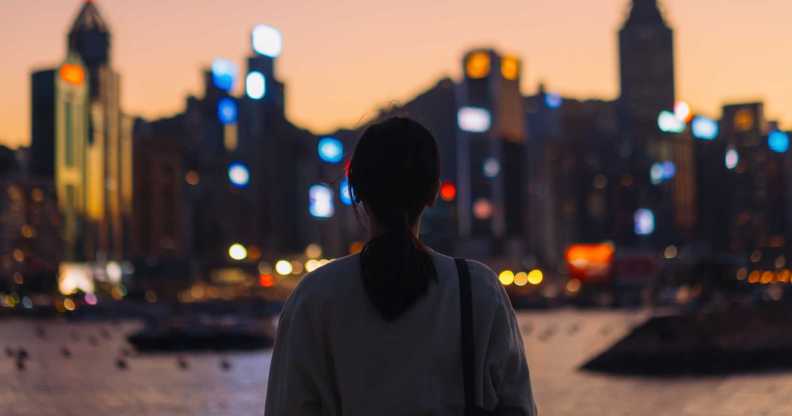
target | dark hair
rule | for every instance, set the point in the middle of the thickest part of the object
(394, 172)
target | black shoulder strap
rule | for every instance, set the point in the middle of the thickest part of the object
(466, 312)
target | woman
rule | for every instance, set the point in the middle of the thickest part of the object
(379, 332)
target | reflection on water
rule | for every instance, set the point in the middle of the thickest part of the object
(91, 382)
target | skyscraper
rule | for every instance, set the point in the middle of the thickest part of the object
(107, 162)
(646, 55)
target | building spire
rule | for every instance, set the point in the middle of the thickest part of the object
(645, 12)
(89, 37)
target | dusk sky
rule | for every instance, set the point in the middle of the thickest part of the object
(343, 59)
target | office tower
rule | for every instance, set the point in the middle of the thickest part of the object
(108, 152)
(491, 134)
(646, 56)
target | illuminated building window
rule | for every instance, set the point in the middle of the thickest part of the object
(705, 128)
(239, 174)
(743, 120)
(224, 74)
(553, 100)
(255, 85)
(477, 65)
(482, 209)
(510, 67)
(662, 172)
(227, 110)
(732, 159)
(669, 123)
(320, 201)
(73, 74)
(644, 222)
(778, 141)
(267, 41)
(474, 119)
(68, 115)
(491, 167)
(330, 150)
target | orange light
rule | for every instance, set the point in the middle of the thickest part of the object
(743, 119)
(478, 65)
(73, 74)
(448, 191)
(510, 67)
(355, 247)
(767, 277)
(590, 261)
(266, 280)
(754, 277)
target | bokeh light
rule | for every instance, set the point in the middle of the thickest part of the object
(474, 119)
(778, 141)
(237, 252)
(255, 85)
(227, 110)
(267, 41)
(330, 150)
(224, 73)
(239, 174)
(320, 201)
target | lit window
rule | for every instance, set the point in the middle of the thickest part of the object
(330, 149)
(778, 141)
(267, 41)
(224, 74)
(482, 209)
(732, 159)
(553, 100)
(743, 119)
(705, 128)
(669, 123)
(255, 85)
(227, 110)
(644, 222)
(239, 175)
(491, 167)
(474, 119)
(510, 67)
(477, 65)
(320, 201)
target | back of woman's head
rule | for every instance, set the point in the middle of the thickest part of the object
(394, 173)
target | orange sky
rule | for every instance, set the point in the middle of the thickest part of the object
(343, 59)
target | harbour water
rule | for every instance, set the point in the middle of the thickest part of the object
(90, 382)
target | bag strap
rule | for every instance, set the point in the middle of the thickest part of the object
(466, 313)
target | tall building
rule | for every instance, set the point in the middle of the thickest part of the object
(646, 56)
(490, 150)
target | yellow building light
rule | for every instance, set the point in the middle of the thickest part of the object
(478, 65)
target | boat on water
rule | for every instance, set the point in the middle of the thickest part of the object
(203, 334)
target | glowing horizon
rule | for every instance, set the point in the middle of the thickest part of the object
(337, 73)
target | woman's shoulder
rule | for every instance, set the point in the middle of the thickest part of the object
(483, 278)
(327, 279)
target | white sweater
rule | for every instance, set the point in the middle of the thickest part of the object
(334, 355)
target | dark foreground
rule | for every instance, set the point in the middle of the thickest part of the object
(557, 343)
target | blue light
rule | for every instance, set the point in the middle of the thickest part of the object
(256, 85)
(662, 172)
(224, 74)
(778, 141)
(238, 174)
(553, 100)
(644, 221)
(320, 201)
(343, 192)
(227, 110)
(330, 149)
(705, 128)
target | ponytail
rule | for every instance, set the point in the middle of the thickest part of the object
(394, 172)
(396, 270)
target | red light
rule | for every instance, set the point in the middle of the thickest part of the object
(266, 280)
(448, 191)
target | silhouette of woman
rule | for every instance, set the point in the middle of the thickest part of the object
(378, 333)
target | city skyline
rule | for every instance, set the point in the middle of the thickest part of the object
(340, 94)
